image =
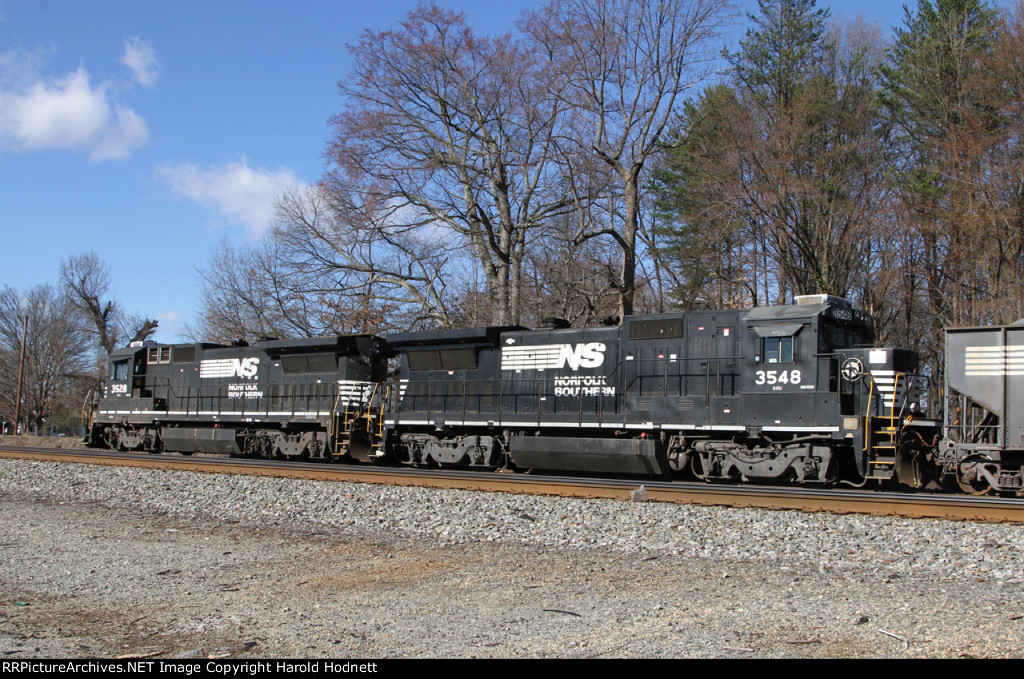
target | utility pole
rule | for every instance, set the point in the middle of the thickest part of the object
(21, 369)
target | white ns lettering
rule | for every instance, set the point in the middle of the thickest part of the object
(247, 367)
(589, 355)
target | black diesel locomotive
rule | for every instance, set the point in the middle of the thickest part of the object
(781, 393)
(276, 398)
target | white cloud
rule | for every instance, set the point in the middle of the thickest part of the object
(170, 323)
(65, 113)
(140, 56)
(240, 194)
(19, 67)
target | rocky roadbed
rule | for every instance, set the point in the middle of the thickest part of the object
(102, 561)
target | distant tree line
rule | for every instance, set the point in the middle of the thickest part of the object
(54, 340)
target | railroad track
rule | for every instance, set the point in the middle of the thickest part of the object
(845, 501)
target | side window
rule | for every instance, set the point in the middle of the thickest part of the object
(424, 359)
(184, 354)
(443, 359)
(159, 355)
(640, 330)
(778, 350)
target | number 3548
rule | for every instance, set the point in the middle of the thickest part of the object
(777, 377)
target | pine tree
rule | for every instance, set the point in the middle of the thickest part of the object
(943, 101)
(801, 146)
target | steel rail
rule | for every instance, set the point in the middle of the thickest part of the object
(841, 501)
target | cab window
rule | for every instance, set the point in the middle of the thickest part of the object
(778, 350)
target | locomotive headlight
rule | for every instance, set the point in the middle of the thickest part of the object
(851, 423)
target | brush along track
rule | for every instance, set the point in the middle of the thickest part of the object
(844, 501)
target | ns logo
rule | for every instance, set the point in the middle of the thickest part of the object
(553, 356)
(589, 355)
(229, 367)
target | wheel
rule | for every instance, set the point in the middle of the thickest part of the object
(969, 476)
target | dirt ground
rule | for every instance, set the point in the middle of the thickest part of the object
(41, 441)
(86, 580)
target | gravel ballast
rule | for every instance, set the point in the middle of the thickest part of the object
(124, 561)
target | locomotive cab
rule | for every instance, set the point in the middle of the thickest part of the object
(776, 418)
(125, 398)
(127, 371)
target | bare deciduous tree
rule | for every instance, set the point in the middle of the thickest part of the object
(447, 131)
(57, 356)
(381, 271)
(247, 294)
(626, 64)
(321, 270)
(86, 280)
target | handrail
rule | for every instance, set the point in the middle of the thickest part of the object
(893, 416)
(895, 391)
(190, 399)
(534, 395)
(89, 409)
(609, 391)
(867, 412)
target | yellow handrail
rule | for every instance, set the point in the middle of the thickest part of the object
(867, 413)
(892, 406)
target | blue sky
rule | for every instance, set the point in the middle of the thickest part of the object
(148, 132)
